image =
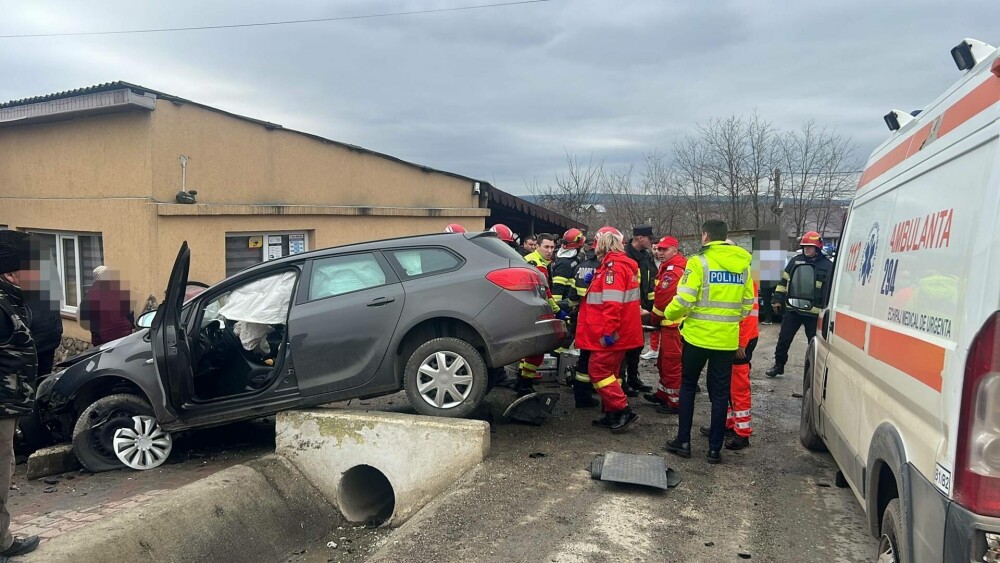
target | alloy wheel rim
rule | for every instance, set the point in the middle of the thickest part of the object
(444, 380)
(144, 445)
(886, 551)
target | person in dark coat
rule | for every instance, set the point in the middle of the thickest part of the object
(107, 308)
(637, 248)
(46, 319)
(18, 365)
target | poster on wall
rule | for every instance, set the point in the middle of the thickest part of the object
(255, 242)
(296, 243)
(274, 252)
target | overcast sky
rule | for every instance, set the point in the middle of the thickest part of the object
(503, 93)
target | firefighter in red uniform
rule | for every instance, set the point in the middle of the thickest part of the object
(672, 264)
(540, 258)
(609, 325)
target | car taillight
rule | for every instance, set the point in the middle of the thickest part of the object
(977, 481)
(515, 279)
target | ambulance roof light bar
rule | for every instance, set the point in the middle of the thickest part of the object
(971, 52)
(896, 119)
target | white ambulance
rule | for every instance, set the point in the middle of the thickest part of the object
(902, 382)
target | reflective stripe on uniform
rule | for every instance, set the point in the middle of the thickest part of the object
(595, 297)
(743, 425)
(740, 413)
(631, 295)
(687, 291)
(781, 289)
(582, 377)
(721, 305)
(606, 381)
(657, 312)
(717, 318)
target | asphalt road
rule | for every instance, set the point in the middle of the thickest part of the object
(775, 501)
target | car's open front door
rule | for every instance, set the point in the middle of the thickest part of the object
(171, 350)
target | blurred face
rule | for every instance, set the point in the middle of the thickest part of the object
(530, 244)
(664, 254)
(27, 280)
(809, 251)
(546, 248)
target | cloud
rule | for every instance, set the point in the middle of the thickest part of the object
(504, 93)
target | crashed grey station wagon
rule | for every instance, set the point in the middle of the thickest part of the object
(438, 316)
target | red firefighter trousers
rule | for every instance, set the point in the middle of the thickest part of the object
(604, 365)
(738, 417)
(669, 365)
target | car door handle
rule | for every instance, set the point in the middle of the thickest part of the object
(379, 301)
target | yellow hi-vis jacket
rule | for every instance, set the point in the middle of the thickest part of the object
(715, 293)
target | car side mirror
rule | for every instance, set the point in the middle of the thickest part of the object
(146, 320)
(802, 287)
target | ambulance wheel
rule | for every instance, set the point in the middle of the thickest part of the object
(891, 548)
(808, 436)
(445, 377)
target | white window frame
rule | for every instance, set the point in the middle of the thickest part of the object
(60, 265)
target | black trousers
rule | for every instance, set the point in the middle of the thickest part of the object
(720, 367)
(630, 366)
(790, 324)
(45, 359)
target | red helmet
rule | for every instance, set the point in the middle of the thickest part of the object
(609, 231)
(455, 228)
(811, 238)
(503, 231)
(573, 238)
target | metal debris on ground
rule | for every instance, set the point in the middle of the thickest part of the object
(645, 470)
(331, 545)
(535, 408)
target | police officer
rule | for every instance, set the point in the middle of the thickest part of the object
(18, 366)
(715, 293)
(812, 246)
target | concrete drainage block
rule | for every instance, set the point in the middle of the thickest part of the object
(379, 467)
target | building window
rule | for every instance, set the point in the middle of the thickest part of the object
(248, 249)
(75, 256)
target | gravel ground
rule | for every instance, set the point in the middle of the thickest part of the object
(772, 502)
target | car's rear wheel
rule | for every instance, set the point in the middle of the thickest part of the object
(445, 377)
(120, 430)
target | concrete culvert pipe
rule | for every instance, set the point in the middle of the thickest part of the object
(366, 495)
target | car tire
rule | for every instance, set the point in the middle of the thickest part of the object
(94, 447)
(464, 374)
(891, 547)
(808, 436)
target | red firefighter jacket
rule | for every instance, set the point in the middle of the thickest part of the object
(611, 306)
(667, 278)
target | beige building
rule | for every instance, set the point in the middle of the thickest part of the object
(97, 172)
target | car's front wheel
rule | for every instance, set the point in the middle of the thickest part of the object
(445, 377)
(120, 430)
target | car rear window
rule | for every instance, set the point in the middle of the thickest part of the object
(411, 263)
(498, 247)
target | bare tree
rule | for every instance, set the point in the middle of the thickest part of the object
(817, 167)
(575, 191)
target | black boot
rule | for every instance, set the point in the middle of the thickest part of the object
(628, 390)
(606, 421)
(775, 371)
(581, 393)
(638, 385)
(623, 419)
(524, 387)
(652, 398)
(682, 449)
(737, 443)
